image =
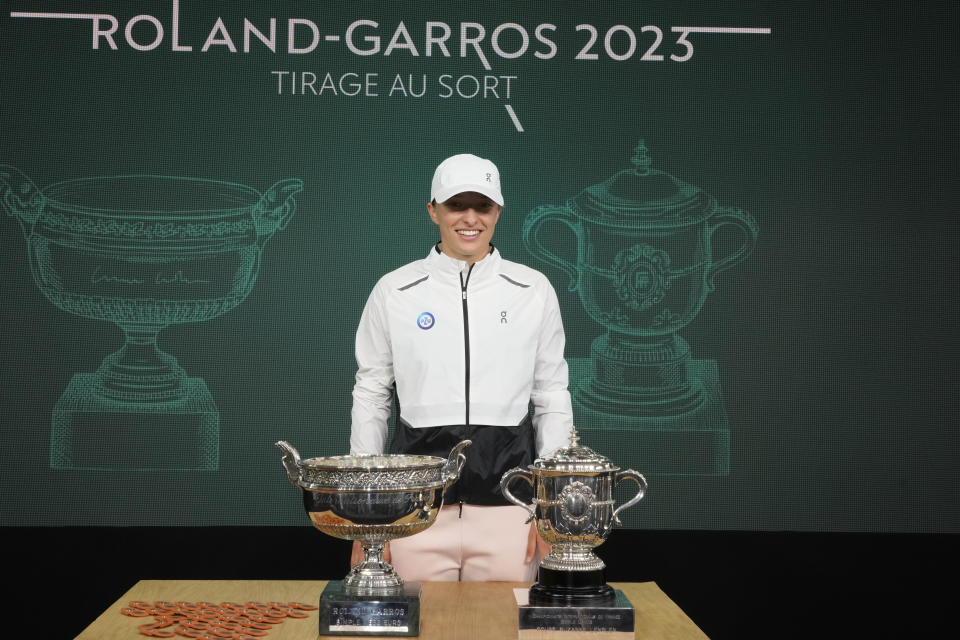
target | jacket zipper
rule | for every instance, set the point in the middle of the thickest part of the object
(466, 341)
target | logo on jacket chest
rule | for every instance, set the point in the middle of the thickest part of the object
(425, 320)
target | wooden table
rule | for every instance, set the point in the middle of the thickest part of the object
(449, 610)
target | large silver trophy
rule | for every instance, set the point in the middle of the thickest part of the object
(373, 499)
(574, 507)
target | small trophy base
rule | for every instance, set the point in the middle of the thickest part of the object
(571, 589)
(694, 442)
(615, 620)
(90, 431)
(343, 614)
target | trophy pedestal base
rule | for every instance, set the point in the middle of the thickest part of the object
(343, 614)
(614, 620)
(571, 589)
(693, 442)
(90, 431)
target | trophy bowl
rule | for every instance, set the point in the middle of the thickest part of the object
(373, 499)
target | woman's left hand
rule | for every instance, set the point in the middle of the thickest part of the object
(535, 545)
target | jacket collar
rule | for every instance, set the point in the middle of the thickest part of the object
(444, 266)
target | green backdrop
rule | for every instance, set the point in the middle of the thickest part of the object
(818, 139)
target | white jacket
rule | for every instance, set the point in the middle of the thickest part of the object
(470, 346)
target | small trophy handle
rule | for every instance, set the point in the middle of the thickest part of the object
(641, 484)
(746, 223)
(531, 237)
(506, 478)
(291, 462)
(455, 462)
(276, 207)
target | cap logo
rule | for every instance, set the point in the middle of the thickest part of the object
(488, 177)
(425, 320)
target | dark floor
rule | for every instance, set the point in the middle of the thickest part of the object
(731, 584)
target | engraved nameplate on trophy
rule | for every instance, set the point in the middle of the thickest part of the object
(615, 620)
(342, 613)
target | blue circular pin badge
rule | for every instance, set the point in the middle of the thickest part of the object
(425, 320)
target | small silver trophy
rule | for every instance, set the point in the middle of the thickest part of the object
(373, 499)
(574, 508)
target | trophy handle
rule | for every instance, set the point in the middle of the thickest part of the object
(276, 207)
(505, 480)
(455, 462)
(641, 484)
(20, 198)
(291, 462)
(531, 237)
(745, 222)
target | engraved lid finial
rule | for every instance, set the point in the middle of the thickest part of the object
(575, 458)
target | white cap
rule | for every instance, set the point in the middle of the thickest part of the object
(465, 172)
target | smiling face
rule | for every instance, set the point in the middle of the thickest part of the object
(466, 224)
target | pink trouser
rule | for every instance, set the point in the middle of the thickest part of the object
(475, 544)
